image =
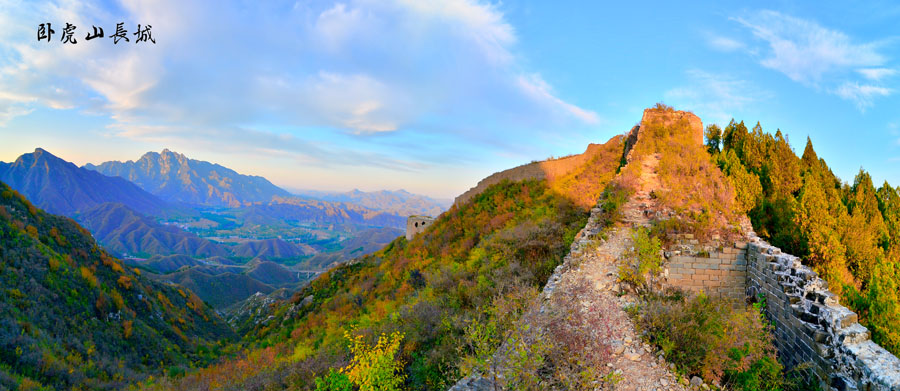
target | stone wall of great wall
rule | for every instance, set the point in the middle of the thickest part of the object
(719, 269)
(548, 169)
(416, 225)
(810, 326)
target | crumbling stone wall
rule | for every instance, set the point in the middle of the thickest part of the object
(416, 224)
(812, 327)
(717, 269)
(549, 169)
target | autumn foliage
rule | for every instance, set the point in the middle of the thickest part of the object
(848, 232)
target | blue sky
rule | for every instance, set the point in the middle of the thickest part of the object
(432, 96)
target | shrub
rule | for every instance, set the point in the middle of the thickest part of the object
(711, 338)
(88, 276)
(579, 332)
(334, 381)
(642, 260)
(500, 341)
(375, 368)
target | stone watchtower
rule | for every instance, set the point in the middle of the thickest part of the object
(416, 224)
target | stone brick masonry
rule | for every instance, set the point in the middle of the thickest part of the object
(715, 269)
(811, 327)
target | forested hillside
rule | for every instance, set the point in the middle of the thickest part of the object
(73, 317)
(848, 232)
(122, 230)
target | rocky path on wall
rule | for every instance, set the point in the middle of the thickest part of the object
(636, 365)
(638, 208)
(595, 258)
(593, 262)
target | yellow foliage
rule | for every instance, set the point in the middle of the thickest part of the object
(124, 282)
(127, 328)
(32, 231)
(88, 276)
(301, 352)
(117, 299)
(375, 368)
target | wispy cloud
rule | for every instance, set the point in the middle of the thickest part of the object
(805, 51)
(536, 87)
(819, 57)
(715, 96)
(725, 44)
(861, 94)
(876, 74)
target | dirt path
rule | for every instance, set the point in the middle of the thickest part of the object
(596, 260)
(638, 366)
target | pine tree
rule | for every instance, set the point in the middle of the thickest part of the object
(713, 135)
(889, 204)
(820, 230)
(865, 231)
(809, 159)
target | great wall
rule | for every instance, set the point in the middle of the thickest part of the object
(810, 327)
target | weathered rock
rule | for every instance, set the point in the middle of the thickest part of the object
(473, 383)
(696, 381)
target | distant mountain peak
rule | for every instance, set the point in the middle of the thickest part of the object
(59, 186)
(175, 177)
(39, 154)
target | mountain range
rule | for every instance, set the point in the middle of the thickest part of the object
(173, 177)
(398, 202)
(126, 231)
(317, 211)
(60, 187)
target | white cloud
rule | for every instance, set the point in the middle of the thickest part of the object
(338, 24)
(481, 23)
(876, 74)
(725, 44)
(10, 109)
(535, 86)
(861, 94)
(821, 58)
(715, 97)
(805, 51)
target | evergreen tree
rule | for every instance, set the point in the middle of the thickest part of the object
(809, 159)
(889, 204)
(866, 232)
(748, 189)
(820, 230)
(713, 135)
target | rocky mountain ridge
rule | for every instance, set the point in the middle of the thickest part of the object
(176, 178)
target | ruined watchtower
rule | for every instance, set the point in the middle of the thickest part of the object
(416, 224)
